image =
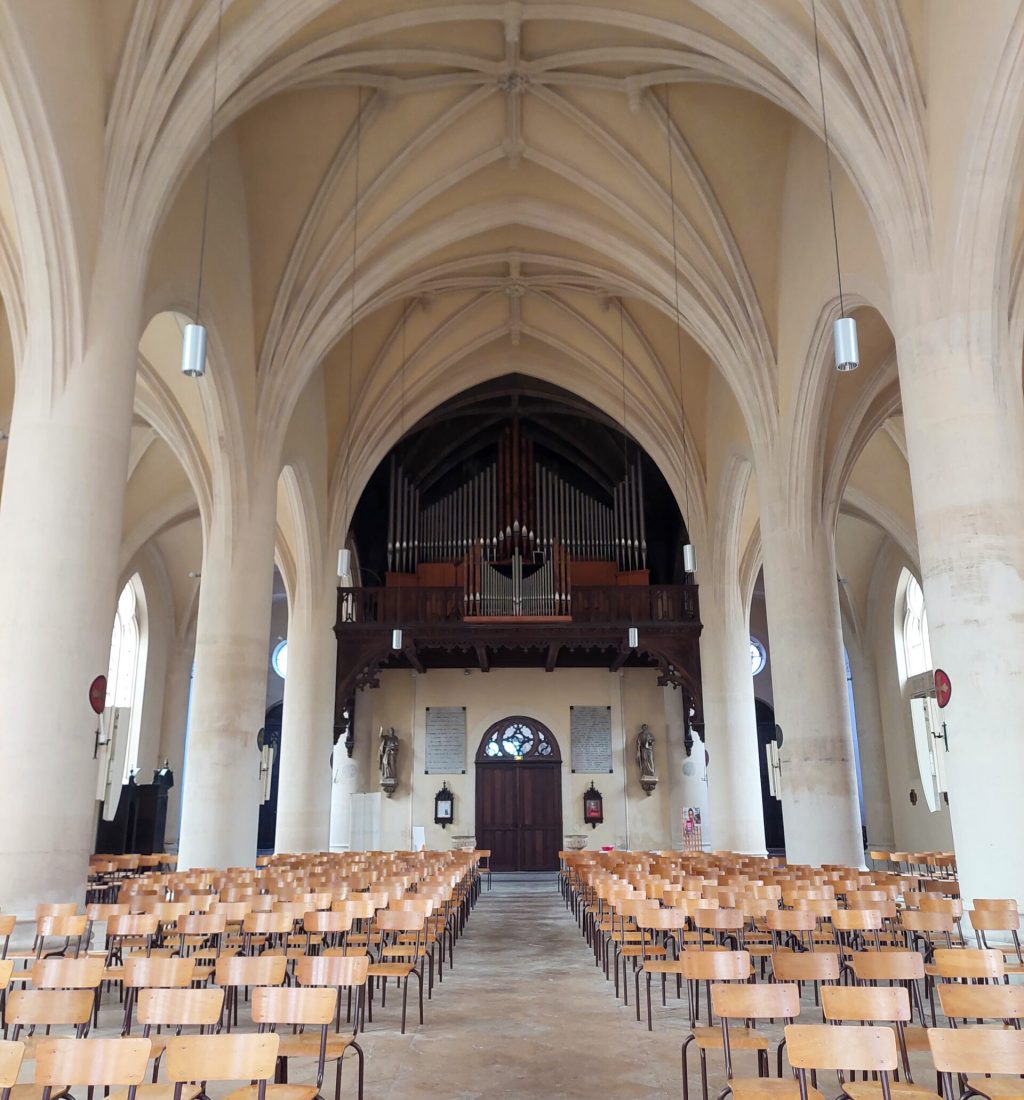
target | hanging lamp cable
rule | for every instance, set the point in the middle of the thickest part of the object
(828, 156)
(209, 159)
(352, 310)
(679, 327)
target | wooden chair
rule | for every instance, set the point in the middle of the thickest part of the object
(237, 1057)
(814, 1047)
(670, 923)
(306, 1007)
(982, 1002)
(903, 967)
(818, 967)
(63, 1063)
(237, 971)
(7, 923)
(971, 1054)
(963, 964)
(398, 958)
(141, 972)
(747, 1003)
(176, 1009)
(708, 967)
(11, 1056)
(342, 972)
(875, 1004)
(1000, 920)
(75, 973)
(46, 1008)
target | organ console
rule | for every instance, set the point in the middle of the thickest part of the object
(514, 532)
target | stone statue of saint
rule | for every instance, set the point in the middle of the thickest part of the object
(387, 759)
(645, 753)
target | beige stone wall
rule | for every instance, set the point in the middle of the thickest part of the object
(401, 701)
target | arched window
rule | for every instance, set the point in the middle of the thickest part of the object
(914, 656)
(126, 670)
(917, 653)
(518, 738)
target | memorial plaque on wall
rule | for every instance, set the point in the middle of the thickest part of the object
(445, 751)
(590, 733)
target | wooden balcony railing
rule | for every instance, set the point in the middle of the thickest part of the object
(622, 605)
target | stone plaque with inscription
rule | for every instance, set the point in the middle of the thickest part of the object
(445, 750)
(590, 732)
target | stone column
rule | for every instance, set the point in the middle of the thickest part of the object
(965, 439)
(221, 784)
(820, 807)
(60, 532)
(734, 774)
(307, 735)
(173, 728)
(686, 785)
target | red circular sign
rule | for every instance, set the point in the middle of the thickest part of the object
(98, 694)
(943, 688)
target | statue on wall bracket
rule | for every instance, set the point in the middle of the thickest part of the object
(387, 759)
(645, 759)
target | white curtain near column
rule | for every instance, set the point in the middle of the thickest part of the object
(686, 774)
(965, 438)
(307, 735)
(221, 783)
(820, 807)
(60, 533)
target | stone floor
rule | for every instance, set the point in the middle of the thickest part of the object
(525, 1014)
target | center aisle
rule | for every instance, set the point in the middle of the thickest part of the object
(526, 1014)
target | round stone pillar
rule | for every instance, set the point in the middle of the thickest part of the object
(965, 441)
(60, 533)
(730, 723)
(820, 806)
(307, 734)
(221, 781)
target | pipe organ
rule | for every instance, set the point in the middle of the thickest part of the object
(514, 528)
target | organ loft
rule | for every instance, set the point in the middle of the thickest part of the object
(518, 529)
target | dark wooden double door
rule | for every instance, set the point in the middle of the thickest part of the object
(519, 815)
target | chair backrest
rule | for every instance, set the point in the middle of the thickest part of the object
(201, 924)
(805, 966)
(332, 970)
(996, 903)
(970, 962)
(11, 1055)
(977, 1050)
(980, 1002)
(715, 966)
(267, 924)
(256, 970)
(55, 909)
(790, 920)
(61, 925)
(234, 1057)
(85, 973)
(180, 1007)
(321, 920)
(141, 972)
(751, 1002)
(823, 1046)
(6, 970)
(893, 966)
(927, 920)
(94, 1062)
(312, 1006)
(865, 1003)
(721, 920)
(995, 920)
(36, 1007)
(394, 920)
(856, 920)
(132, 924)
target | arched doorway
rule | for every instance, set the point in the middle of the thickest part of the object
(519, 795)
